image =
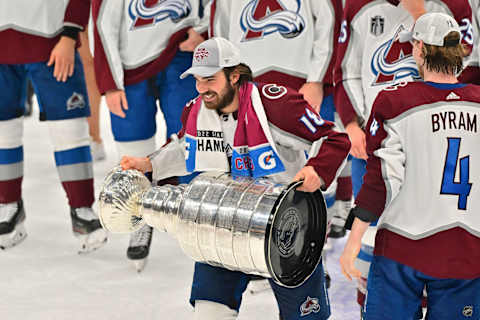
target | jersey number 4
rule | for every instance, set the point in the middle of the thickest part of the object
(449, 186)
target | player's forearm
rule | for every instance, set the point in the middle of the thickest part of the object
(331, 156)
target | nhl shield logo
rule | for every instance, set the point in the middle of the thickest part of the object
(467, 311)
(376, 25)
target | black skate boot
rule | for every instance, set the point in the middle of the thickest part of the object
(139, 247)
(12, 230)
(86, 227)
(341, 209)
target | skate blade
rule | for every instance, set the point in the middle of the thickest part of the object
(92, 241)
(13, 238)
(139, 264)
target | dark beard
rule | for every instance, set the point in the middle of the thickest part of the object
(224, 101)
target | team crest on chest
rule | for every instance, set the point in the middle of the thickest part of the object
(376, 25)
(392, 61)
(145, 13)
(260, 18)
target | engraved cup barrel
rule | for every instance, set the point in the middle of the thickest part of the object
(243, 224)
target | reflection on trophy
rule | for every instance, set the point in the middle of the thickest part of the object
(242, 224)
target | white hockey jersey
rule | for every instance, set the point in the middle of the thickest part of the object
(29, 29)
(370, 55)
(423, 178)
(290, 37)
(135, 39)
(471, 73)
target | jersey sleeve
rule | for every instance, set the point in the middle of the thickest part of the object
(349, 98)
(201, 26)
(329, 148)
(324, 14)
(219, 18)
(107, 19)
(169, 160)
(385, 165)
(77, 14)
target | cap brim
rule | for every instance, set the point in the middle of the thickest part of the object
(405, 36)
(201, 71)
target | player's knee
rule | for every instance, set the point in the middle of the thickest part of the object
(140, 148)
(11, 133)
(69, 134)
(209, 310)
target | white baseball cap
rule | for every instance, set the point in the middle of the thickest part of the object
(432, 28)
(212, 56)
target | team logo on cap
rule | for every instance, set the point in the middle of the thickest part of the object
(200, 54)
(393, 61)
(145, 13)
(260, 18)
(310, 305)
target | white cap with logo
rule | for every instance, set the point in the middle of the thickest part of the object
(432, 28)
(211, 56)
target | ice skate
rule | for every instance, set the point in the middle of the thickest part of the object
(86, 227)
(341, 209)
(12, 229)
(139, 247)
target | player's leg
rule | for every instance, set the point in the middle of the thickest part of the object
(134, 135)
(98, 150)
(219, 291)
(394, 291)
(175, 93)
(453, 299)
(64, 105)
(308, 301)
(12, 214)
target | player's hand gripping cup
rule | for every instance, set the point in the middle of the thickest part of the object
(253, 226)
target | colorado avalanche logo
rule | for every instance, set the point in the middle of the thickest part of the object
(263, 17)
(149, 12)
(393, 61)
(310, 305)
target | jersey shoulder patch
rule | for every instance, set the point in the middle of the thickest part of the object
(273, 91)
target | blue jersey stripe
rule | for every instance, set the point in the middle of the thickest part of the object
(9, 156)
(73, 156)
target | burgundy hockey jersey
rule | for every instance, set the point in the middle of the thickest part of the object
(30, 29)
(370, 55)
(301, 138)
(423, 178)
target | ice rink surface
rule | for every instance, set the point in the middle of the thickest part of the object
(45, 278)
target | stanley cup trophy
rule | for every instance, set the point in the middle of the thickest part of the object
(242, 224)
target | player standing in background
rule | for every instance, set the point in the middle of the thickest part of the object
(239, 113)
(371, 58)
(291, 43)
(94, 98)
(471, 73)
(141, 48)
(422, 185)
(41, 38)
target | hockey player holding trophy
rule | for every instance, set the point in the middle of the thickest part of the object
(243, 128)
